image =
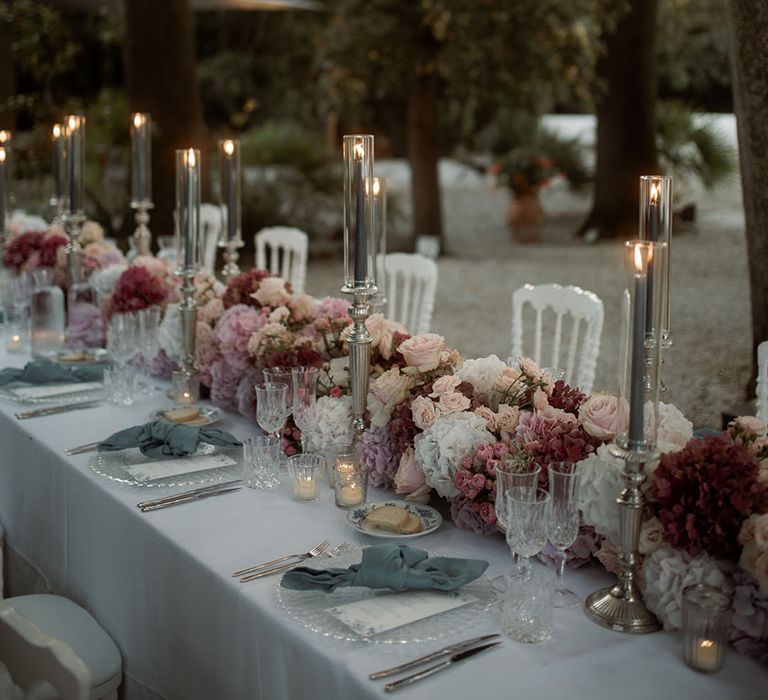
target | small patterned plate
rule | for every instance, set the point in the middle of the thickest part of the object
(430, 519)
(208, 415)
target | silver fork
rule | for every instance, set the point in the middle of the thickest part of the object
(338, 549)
(319, 549)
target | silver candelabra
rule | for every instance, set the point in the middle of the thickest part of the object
(359, 356)
(142, 237)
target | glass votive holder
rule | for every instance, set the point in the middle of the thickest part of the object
(350, 481)
(330, 458)
(119, 384)
(185, 388)
(17, 330)
(706, 619)
(305, 471)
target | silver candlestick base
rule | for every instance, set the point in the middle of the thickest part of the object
(359, 357)
(142, 237)
(621, 607)
(73, 223)
(231, 256)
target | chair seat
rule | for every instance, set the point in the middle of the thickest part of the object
(61, 618)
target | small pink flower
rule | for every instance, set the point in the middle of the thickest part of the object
(478, 481)
(487, 513)
(444, 385)
(540, 399)
(336, 392)
(484, 451)
(500, 450)
(453, 402)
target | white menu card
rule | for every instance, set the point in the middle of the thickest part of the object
(149, 471)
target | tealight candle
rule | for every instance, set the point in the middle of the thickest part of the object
(350, 482)
(15, 343)
(306, 489)
(305, 471)
(706, 620)
(185, 389)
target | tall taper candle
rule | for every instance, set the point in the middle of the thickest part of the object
(653, 236)
(59, 160)
(637, 396)
(361, 242)
(75, 125)
(190, 240)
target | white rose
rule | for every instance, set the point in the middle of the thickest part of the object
(674, 430)
(599, 415)
(382, 332)
(489, 417)
(507, 377)
(422, 351)
(338, 371)
(444, 385)
(651, 536)
(272, 292)
(507, 418)
(482, 373)
(424, 412)
(384, 393)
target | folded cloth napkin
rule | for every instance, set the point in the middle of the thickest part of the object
(395, 566)
(46, 372)
(161, 438)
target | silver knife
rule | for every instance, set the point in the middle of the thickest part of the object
(192, 492)
(403, 682)
(189, 499)
(81, 449)
(452, 649)
(51, 410)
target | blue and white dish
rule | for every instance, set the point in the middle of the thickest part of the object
(431, 520)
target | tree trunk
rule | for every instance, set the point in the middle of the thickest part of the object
(7, 79)
(161, 79)
(423, 155)
(626, 123)
(748, 21)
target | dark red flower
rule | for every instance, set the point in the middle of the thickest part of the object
(137, 289)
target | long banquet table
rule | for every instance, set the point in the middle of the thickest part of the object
(160, 584)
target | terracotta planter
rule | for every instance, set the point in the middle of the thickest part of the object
(525, 217)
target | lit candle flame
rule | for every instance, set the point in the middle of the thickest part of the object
(56, 131)
(2, 154)
(138, 120)
(5, 136)
(191, 158)
(229, 147)
(72, 122)
(359, 151)
(639, 257)
(654, 195)
(376, 187)
(707, 644)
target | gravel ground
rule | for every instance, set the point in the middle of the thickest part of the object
(708, 367)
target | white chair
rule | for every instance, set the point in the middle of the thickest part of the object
(582, 308)
(50, 638)
(210, 232)
(762, 381)
(283, 251)
(411, 287)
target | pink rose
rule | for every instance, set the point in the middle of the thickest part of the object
(453, 403)
(761, 532)
(487, 513)
(530, 369)
(391, 386)
(751, 425)
(444, 385)
(488, 416)
(540, 401)
(424, 412)
(507, 418)
(382, 332)
(478, 481)
(422, 351)
(302, 307)
(272, 292)
(600, 417)
(507, 377)
(484, 451)
(409, 479)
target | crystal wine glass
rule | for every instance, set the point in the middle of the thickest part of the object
(281, 375)
(563, 522)
(304, 397)
(527, 522)
(148, 324)
(123, 338)
(271, 407)
(520, 474)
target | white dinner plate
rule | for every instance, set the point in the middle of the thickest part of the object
(210, 413)
(430, 519)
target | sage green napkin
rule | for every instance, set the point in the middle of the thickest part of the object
(161, 438)
(395, 566)
(47, 372)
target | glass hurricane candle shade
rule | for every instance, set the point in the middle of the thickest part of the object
(230, 192)
(656, 227)
(359, 243)
(187, 212)
(380, 238)
(185, 388)
(642, 299)
(706, 622)
(350, 481)
(141, 159)
(74, 171)
(58, 139)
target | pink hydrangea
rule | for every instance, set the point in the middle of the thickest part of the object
(224, 382)
(553, 435)
(234, 330)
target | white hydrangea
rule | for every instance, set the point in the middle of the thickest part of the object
(482, 373)
(104, 281)
(441, 448)
(674, 430)
(601, 482)
(330, 423)
(667, 572)
(169, 333)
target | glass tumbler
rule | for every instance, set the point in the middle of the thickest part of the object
(305, 471)
(119, 384)
(350, 481)
(706, 619)
(526, 611)
(261, 457)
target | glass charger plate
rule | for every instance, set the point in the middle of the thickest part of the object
(309, 608)
(112, 466)
(7, 392)
(209, 413)
(431, 520)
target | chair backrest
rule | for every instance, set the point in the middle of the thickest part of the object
(411, 287)
(762, 381)
(582, 350)
(283, 251)
(32, 657)
(210, 233)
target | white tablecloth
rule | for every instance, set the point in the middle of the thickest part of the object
(159, 583)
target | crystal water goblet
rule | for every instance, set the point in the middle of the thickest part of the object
(563, 522)
(281, 375)
(148, 325)
(527, 513)
(123, 338)
(271, 407)
(304, 398)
